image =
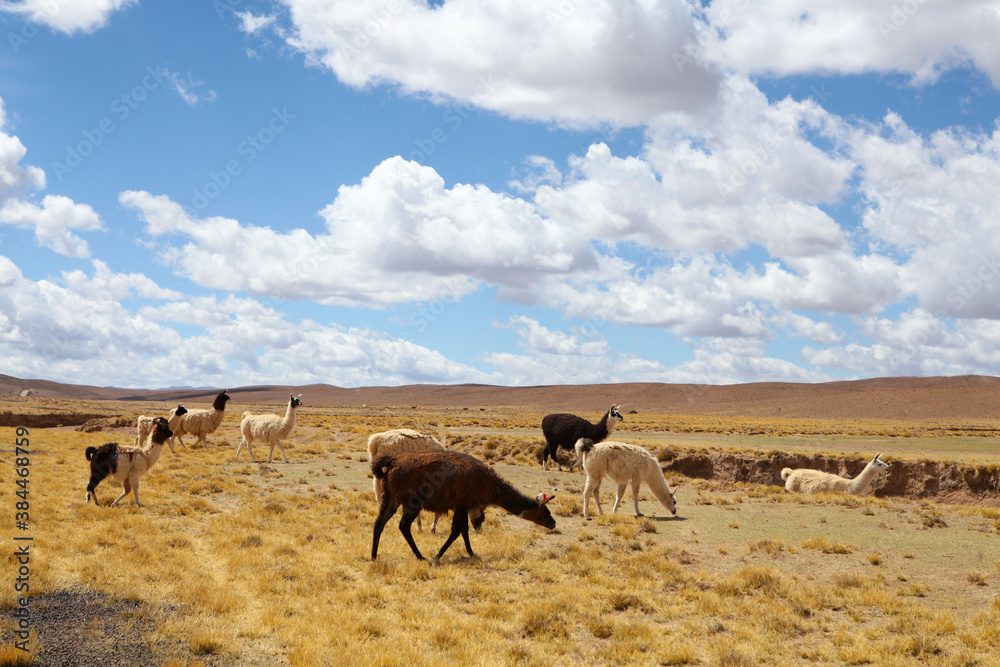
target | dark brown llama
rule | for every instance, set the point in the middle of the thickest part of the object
(441, 481)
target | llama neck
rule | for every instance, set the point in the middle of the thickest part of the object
(512, 500)
(288, 422)
(215, 418)
(861, 482)
(600, 430)
(152, 453)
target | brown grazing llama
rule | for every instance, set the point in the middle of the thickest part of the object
(407, 440)
(440, 481)
(126, 464)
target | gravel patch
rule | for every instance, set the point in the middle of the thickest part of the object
(78, 628)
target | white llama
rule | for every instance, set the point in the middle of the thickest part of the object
(270, 428)
(625, 464)
(806, 480)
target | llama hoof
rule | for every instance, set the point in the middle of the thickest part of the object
(639, 515)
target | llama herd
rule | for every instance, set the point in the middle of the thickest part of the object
(415, 472)
(128, 464)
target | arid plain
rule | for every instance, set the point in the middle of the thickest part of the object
(240, 563)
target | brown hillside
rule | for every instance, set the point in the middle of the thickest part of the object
(964, 397)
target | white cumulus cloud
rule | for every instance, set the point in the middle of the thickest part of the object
(579, 63)
(67, 16)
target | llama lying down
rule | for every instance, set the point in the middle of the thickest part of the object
(806, 480)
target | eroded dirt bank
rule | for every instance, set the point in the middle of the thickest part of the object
(939, 482)
(49, 420)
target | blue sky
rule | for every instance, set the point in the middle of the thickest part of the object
(510, 192)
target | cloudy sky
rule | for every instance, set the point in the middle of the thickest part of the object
(382, 192)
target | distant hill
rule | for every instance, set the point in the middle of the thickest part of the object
(964, 397)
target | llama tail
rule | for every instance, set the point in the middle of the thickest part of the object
(90, 452)
(785, 472)
(583, 445)
(381, 466)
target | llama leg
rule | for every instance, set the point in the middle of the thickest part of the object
(545, 457)
(170, 442)
(127, 487)
(465, 529)
(476, 517)
(635, 496)
(597, 495)
(282, 450)
(135, 491)
(618, 498)
(385, 512)
(459, 526)
(243, 441)
(95, 479)
(404, 527)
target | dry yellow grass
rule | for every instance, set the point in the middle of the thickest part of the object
(268, 564)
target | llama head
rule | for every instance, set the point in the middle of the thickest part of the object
(295, 400)
(221, 399)
(880, 464)
(673, 499)
(161, 430)
(613, 417)
(180, 410)
(541, 514)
